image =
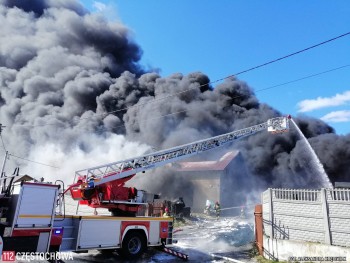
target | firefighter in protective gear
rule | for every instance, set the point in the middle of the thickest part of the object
(166, 213)
(208, 207)
(217, 209)
(91, 182)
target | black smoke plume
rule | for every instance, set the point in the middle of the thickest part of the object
(64, 70)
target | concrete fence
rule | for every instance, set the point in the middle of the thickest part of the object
(321, 216)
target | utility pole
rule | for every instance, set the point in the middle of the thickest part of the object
(1, 126)
(2, 182)
(2, 175)
(3, 164)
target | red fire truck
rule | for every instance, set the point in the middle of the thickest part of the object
(33, 220)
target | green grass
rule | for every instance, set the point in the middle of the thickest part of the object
(254, 253)
(261, 259)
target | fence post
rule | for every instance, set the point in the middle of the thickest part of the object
(259, 228)
(327, 230)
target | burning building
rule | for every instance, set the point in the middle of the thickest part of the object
(225, 180)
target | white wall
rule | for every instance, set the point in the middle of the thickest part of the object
(277, 249)
(308, 215)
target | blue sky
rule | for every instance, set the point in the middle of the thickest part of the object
(221, 38)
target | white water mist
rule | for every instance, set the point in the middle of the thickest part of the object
(315, 163)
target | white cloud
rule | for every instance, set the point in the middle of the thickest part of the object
(337, 100)
(337, 116)
(99, 6)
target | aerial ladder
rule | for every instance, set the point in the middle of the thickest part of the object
(103, 186)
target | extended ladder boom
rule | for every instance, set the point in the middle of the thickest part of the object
(118, 170)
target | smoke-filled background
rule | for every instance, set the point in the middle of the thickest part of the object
(74, 95)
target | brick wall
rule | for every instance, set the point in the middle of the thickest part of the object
(308, 215)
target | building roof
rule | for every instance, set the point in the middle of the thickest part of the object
(342, 185)
(218, 165)
(24, 177)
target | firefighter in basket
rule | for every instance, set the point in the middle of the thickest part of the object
(166, 213)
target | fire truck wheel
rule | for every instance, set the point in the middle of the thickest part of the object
(54, 248)
(134, 244)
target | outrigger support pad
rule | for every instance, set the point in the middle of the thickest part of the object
(183, 256)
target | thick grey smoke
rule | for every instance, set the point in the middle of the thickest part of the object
(55, 61)
(63, 69)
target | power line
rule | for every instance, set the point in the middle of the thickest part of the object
(260, 90)
(218, 80)
(33, 161)
(302, 78)
(238, 73)
(209, 83)
(3, 145)
(289, 55)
